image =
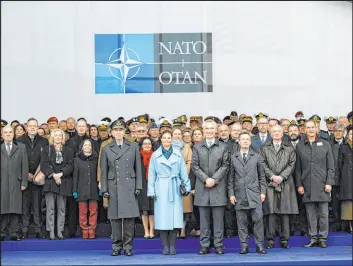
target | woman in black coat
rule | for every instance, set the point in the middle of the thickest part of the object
(85, 187)
(57, 165)
(146, 205)
(345, 178)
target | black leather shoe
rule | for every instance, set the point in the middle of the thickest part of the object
(61, 237)
(128, 252)
(303, 234)
(284, 245)
(24, 235)
(219, 251)
(71, 236)
(116, 252)
(15, 238)
(322, 244)
(312, 243)
(261, 250)
(244, 250)
(204, 251)
(270, 245)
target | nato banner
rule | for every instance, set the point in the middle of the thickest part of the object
(153, 63)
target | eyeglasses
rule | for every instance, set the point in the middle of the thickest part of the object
(147, 144)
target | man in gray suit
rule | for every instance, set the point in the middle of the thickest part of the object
(246, 191)
(14, 180)
(210, 166)
(121, 182)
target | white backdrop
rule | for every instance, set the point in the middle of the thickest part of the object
(277, 57)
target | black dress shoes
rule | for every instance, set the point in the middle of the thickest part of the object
(39, 235)
(270, 245)
(116, 252)
(71, 236)
(322, 244)
(261, 250)
(128, 252)
(303, 234)
(15, 238)
(244, 250)
(204, 251)
(24, 235)
(219, 251)
(284, 245)
(312, 243)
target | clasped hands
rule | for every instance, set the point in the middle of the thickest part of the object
(210, 182)
(276, 180)
(57, 178)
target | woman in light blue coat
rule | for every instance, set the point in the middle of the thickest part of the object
(166, 173)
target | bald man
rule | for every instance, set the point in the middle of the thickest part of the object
(14, 180)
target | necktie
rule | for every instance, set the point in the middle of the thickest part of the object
(8, 148)
(263, 139)
(277, 147)
(209, 144)
(244, 157)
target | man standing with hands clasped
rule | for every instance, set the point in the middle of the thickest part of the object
(246, 191)
(121, 181)
(315, 177)
(210, 166)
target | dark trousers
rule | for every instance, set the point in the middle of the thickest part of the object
(242, 220)
(31, 201)
(230, 220)
(271, 228)
(317, 211)
(299, 222)
(196, 213)
(205, 226)
(9, 222)
(123, 239)
(72, 214)
(102, 212)
(336, 208)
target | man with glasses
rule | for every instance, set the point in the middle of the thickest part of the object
(210, 162)
(32, 196)
(263, 136)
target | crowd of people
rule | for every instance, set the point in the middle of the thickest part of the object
(265, 175)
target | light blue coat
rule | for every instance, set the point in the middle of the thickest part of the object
(164, 179)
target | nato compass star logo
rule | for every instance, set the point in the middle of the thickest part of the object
(124, 63)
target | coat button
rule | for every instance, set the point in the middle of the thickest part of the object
(117, 166)
(88, 166)
(127, 159)
(127, 172)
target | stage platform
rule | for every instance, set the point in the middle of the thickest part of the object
(148, 252)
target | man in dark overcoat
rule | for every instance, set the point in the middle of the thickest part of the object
(315, 172)
(121, 182)
(246, 191)
(14, 180)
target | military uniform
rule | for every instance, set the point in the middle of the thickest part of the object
(322, 133)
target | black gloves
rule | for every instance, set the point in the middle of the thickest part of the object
(137, 192)
(106, 195)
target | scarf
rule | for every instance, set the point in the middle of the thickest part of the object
(146, 157)
(178, 144)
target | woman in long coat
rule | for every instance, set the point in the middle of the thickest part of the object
(345, 179)
(85, 187)
(166, 173)
(187, 153)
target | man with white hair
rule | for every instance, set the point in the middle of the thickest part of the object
(210, 162)
(14, 180)
(279, 162)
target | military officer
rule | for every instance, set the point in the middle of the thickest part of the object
(234, 116)
(132, 126)
(247, 123)
(301, 125)
(321, 133)
(331, 121)
(121, 181)
(177, 123)
(299, 115)
(165, 124)
(183, 120)
(193, 122)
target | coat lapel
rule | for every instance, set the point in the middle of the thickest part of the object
(239, 157)
(124, 148)
(3, 148)
(14, 148)
(114, 147)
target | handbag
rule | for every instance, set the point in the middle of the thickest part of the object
(183, 190)
(39, 177)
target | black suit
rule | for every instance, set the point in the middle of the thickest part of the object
(32, 196)
(72, 207)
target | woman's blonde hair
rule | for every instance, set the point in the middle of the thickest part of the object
(51, 139)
